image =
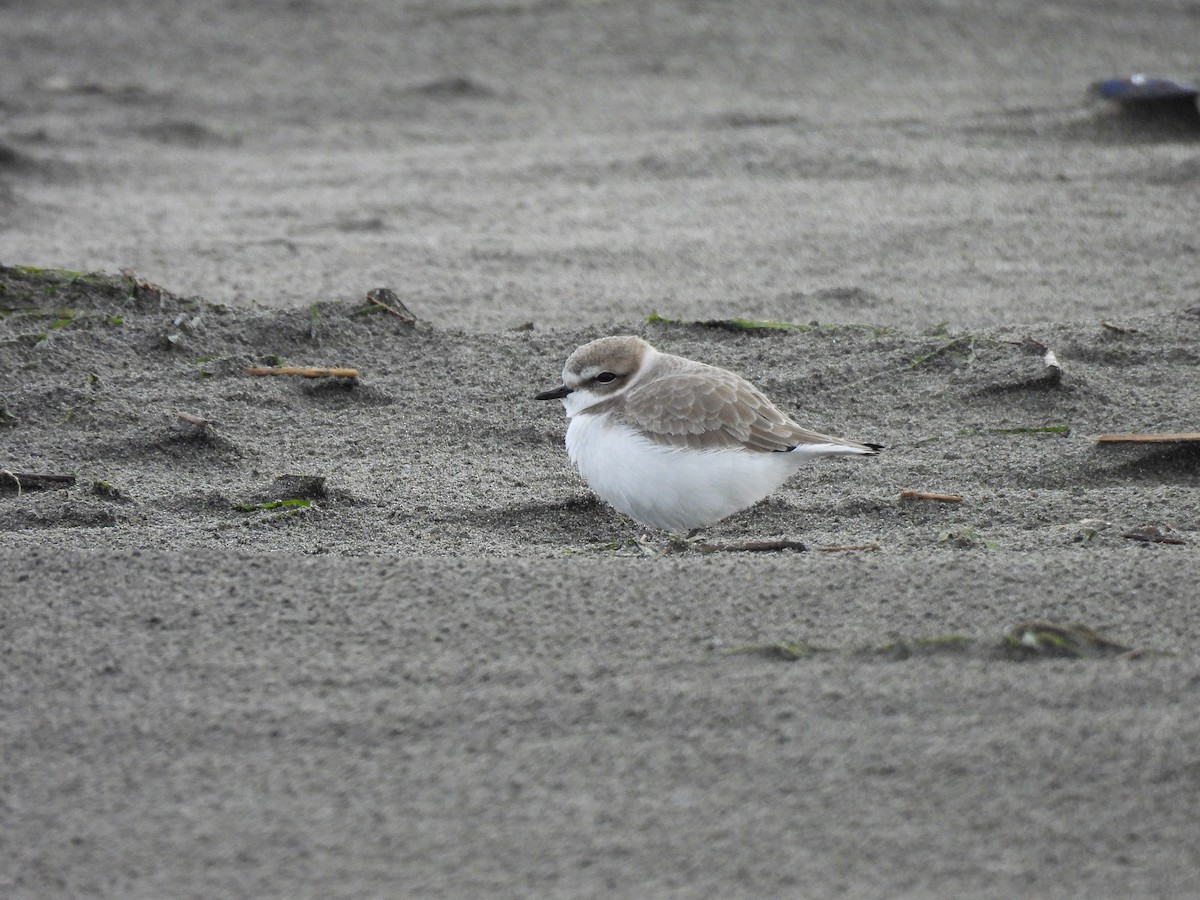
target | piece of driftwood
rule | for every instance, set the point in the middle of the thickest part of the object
(303, 371)
(768, 546)
(19, 482)
(911, 496)
(683, 545)
(1182, 437)
(1153, 534)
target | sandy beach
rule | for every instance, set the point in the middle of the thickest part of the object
(373, 637)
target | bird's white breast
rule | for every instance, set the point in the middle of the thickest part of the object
(672, 488)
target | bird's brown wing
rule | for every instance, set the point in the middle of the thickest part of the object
(713, 409)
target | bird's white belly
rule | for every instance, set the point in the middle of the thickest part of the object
(670, 488)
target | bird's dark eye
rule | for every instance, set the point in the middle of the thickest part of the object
(606, 377)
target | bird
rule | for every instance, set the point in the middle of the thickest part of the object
(677, 444)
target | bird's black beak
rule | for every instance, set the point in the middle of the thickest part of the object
(557, 394)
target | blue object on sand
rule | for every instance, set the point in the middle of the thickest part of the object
(1144, 89)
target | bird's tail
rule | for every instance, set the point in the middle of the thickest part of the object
(836, 447)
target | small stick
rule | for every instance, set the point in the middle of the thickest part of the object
(1166, 438)
(303, 371)
(925, 495)
(683, 546)
(29, 481)
(1152, 534)
(851, 549)
(768, 546)
(1117, 329)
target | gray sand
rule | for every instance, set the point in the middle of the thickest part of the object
(455, 673)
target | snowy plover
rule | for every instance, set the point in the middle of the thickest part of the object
(677, 444)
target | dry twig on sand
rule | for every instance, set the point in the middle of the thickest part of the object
(1164, 438)
(910, 496)
(1154, 534)
(683, 545)
(768, 546)
(303, 371)
(18, 482)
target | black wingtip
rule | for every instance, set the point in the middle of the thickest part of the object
(875, 448)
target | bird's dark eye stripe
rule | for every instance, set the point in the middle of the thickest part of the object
(606, 377)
